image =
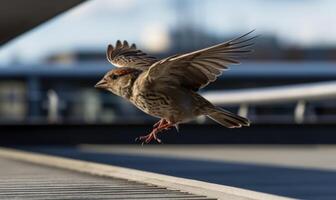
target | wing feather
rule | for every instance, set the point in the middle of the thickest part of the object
(197, 69)
(124, 55)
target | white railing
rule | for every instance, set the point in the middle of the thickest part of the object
(300, 93)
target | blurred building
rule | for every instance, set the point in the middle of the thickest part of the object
(59, 89)
(13, 101)
(25, 92)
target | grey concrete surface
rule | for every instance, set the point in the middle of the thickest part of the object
(21, 180)
(304, 172)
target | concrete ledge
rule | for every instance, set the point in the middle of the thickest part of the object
(192, 186)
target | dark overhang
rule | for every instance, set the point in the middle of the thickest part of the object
(19, 16)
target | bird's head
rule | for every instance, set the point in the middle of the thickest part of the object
(119, 81)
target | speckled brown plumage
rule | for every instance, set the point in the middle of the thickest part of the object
(167, 88)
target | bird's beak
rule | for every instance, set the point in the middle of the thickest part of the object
(101, 84)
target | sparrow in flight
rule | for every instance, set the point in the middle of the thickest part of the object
(168, 88)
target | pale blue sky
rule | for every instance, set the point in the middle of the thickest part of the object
(96, 23)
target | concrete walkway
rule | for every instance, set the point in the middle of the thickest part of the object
(25, 175)
(21, 180)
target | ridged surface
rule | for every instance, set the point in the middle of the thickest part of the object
(20, 180)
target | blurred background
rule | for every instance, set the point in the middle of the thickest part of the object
(47, 74)
(286, 87)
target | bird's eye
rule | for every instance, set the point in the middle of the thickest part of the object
(114, 76)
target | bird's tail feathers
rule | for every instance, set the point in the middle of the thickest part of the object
(226, 118)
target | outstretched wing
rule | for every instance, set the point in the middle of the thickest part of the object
(197, 69)
(123, 55)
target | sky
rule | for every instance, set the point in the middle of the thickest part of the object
(96, 23)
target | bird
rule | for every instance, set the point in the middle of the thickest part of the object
(168, 88)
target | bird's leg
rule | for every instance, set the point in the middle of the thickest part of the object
(148, 138)
(161, 125)
(165, 126)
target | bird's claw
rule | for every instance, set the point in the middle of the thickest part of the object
(158, 127)
(148, 138)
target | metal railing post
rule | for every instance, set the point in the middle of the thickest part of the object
(299, 111)
(53, 106)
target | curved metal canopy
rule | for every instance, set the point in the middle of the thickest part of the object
(18, 16)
